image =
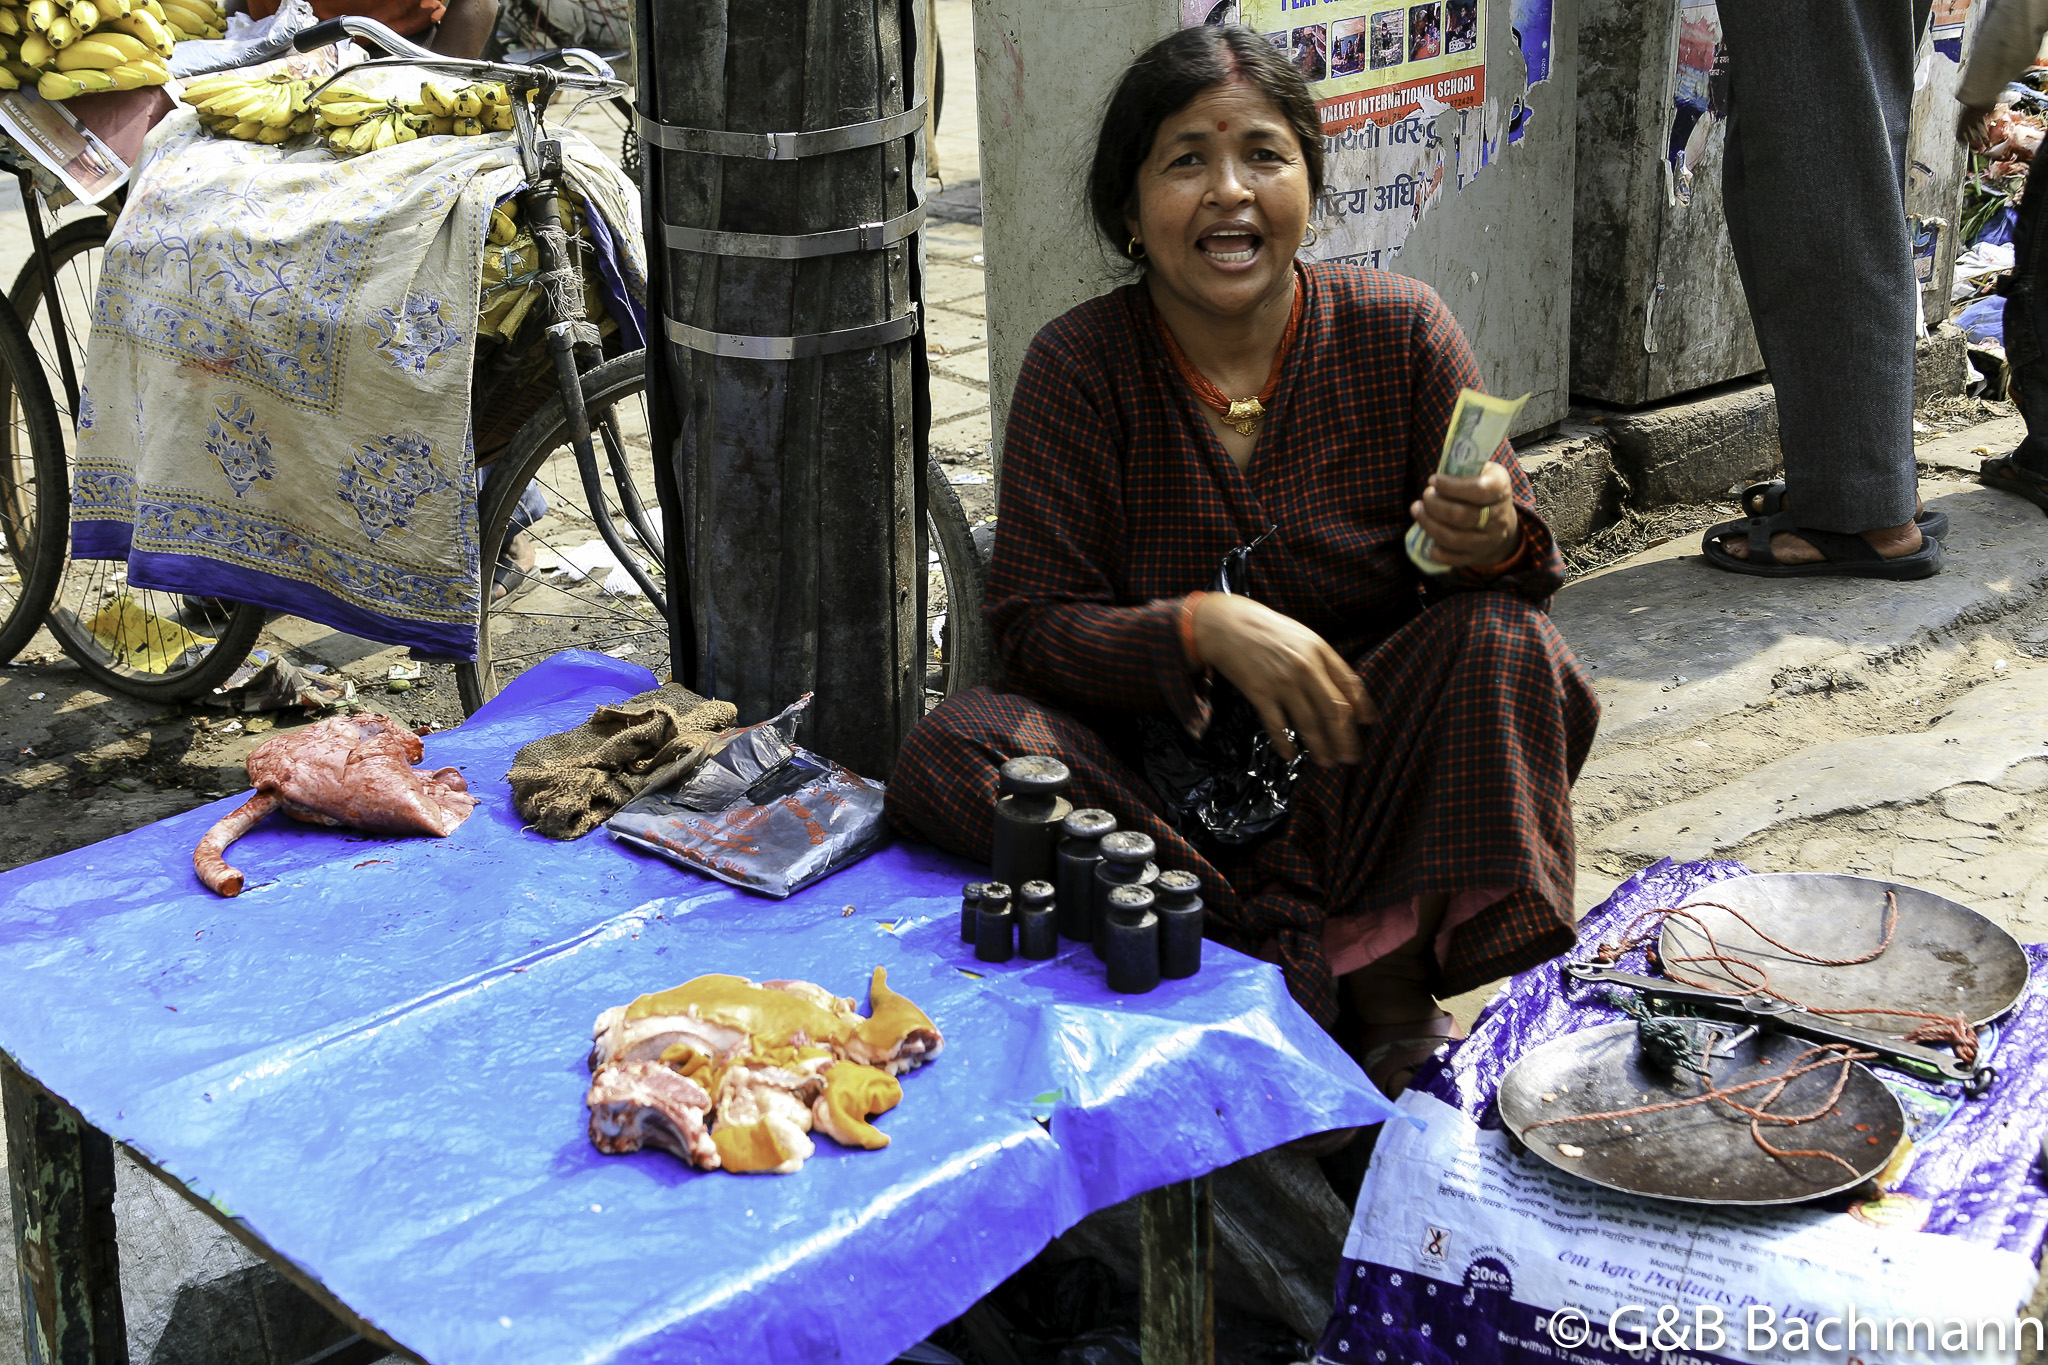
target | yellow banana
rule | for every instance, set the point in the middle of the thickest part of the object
(469, 127)
(498, 118)
(439, 125)
(349, 114)
(279, 112)
(41, 13)
(197, 90)
(10, 22)
(493, 92)
(140, 74)
(146, 30)
(62, 85)
(304, 123)
(102, 52)
(20, 70)
(245, 130)
(271, 134)
(438, 98)
(36, 50)
(151, 8)
(10, 49)
(8, 81)
(504, 227)
(183, 17)
(62, 33)
(115, 9)
(85, 14)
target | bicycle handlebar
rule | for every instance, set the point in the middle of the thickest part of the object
(344, 27)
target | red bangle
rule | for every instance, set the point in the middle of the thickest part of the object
(1187, 631)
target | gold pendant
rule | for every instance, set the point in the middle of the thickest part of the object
(1245, 414)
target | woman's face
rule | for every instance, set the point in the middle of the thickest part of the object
(1222, 202)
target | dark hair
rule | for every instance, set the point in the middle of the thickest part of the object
(1164, 79)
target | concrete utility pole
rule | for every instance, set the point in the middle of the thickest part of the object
(783, 196)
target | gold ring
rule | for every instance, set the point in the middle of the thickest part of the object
(1484, 513)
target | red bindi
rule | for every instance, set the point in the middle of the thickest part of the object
(1222, 127)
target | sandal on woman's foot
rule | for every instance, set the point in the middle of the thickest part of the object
(1768, 499)
(1846, 556)
(2002, 473)
(1391, 1064)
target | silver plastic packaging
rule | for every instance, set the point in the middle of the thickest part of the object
(761, 812)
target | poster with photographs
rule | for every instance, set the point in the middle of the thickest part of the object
(1378, 61)
(1401, 86)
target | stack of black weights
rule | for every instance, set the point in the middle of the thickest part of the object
(1097, 883)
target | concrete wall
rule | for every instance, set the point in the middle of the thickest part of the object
(1657, 307)
(1044, 69)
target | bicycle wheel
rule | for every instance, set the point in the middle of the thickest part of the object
(162, 646)
(561, 589)
(34, 498)
(534, 490)
(956, 561)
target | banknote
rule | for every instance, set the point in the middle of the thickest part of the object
(1479, 424)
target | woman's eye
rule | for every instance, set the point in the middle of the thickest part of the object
(1190, 159)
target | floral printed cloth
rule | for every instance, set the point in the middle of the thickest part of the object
(276, 404)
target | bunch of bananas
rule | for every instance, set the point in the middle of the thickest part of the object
(270, 108)
(194, 19)
(83, 46)
(466, 112)
(359, 120)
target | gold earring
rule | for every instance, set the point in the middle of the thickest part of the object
(1134, 249)
(1313, 236)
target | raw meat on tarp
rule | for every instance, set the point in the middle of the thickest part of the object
(347, 770)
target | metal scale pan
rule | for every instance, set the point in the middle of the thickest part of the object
(1702, 1154)
(1945, 958)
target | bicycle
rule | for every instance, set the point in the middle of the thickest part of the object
(600, 405)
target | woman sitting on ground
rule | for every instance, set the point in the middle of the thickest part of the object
(1429, 846)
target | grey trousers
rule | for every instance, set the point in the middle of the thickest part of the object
(1814, 183)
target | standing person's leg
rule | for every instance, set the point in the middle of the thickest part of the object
(1820, 239)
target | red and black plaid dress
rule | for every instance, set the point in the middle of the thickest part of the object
(1117, 499)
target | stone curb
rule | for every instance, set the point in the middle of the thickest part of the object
(1693, 449)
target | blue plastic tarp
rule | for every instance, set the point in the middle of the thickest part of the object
(374, 1059)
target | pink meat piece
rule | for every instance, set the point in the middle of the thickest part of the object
(347, 770)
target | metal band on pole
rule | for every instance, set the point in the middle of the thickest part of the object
(781, 146)
(773, 246)
(738, 347)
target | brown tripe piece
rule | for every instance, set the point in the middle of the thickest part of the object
(566, 785)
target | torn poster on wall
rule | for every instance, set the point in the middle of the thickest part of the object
(1402, 90)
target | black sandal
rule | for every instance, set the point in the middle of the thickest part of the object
(1847, 556)
(2002, 473)
(1768, 499)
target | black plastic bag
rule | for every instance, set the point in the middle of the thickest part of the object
(1229, 789)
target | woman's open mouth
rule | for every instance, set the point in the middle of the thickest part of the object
(1232, 246)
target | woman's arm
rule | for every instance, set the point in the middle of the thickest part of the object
(1052, 601)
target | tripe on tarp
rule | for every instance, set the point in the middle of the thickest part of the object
(375, 1065)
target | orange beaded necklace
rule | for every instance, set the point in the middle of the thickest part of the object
(1243, 413)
